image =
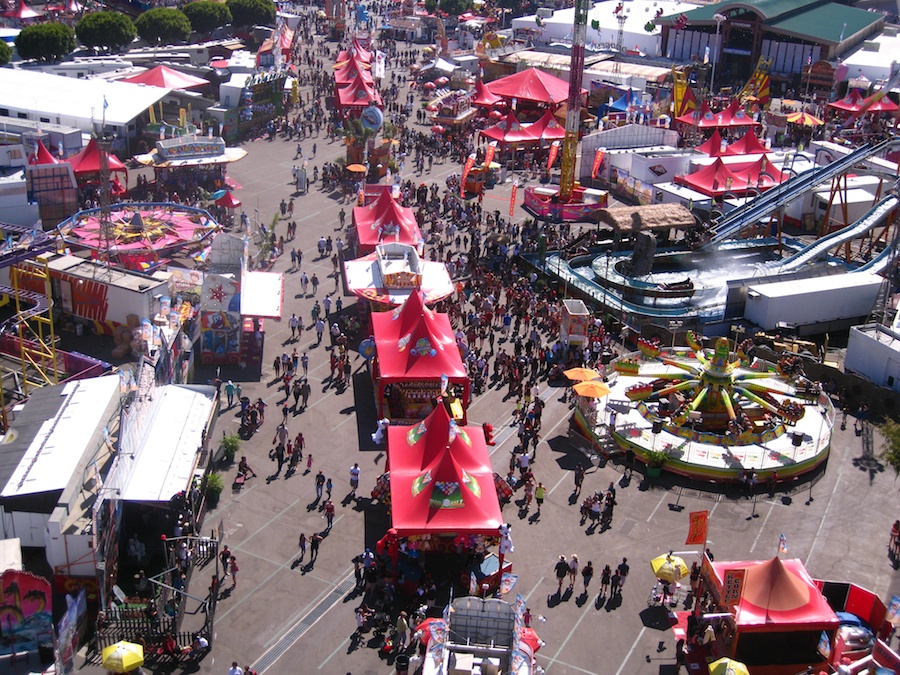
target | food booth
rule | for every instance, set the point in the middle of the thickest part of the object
(767, 614)
(416, 358)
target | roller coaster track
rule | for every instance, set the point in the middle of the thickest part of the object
(751, 212)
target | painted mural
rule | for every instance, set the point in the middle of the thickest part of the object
(220, 319)
(26, 614)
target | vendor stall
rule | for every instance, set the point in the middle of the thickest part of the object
(384, 220)
(767, 614)
(395, 271)
(416, 358)
(183, 164)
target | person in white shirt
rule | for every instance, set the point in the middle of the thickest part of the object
(354, 478)
(235, 669)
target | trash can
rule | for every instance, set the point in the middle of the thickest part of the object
(45, 652)
(402, 664)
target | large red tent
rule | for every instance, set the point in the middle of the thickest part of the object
(547, 128)
(415, 348)
(712, 146)
(349, 71)
(852, 102)
(735, 116)
(713, 180)
(22, 12)
(509, 130)
(748, 144)
(385, 220)
(167, 78)
(441, 479)
(532, 85)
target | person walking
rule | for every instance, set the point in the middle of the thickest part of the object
(304, 361)
(614, 589)
(329, 513)
(561, 569)
(233, 568)
(605, 577)
(304, 392)
(402, 631)
(329, 486)
(623, 570)
(314, 280)
(579, 478)
(320, 485)
(277, 454)
(354, 479)
(587, 573)
(314, 542)
(294, 322)
(539, 493)
(302, 545)
(320, 330)
(229, 392)
(573, 570)
(276, 365)
(342, 216)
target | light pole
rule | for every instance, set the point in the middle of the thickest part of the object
(712, 80)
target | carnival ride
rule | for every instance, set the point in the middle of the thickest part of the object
(139, 235)
(716, 413)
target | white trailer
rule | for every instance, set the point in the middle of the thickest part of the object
(814, 305)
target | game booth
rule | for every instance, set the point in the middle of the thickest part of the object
(439, 488)
(416, 360)
(384, 220)
(767, 614)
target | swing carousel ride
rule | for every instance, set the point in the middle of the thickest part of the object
(713, 413)
(140, 236)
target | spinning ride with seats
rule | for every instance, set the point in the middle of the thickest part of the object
(717, 414)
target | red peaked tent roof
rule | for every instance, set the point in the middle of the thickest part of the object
(884, 104)
(547, 128)
(347, 73)
(779, 595)
(713, 180)
(748, 144)
(712, 146)
(22, 12)
(42, 156)
(167, 78)
(88, 160)
(702, 117)
(361, 52)
(532, 85)
(228, 200)
(416, 343)
(484, 97)
(386, 219)
(735, 116)
(358, 93)
(852, 102)
(509, 130)
(761, 174)
(441, 479)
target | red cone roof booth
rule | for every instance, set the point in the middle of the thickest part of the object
(780, 616)
(852, 102)
(713, 180)
(348, 73)
(484, 97)
(42, 156)
(712, 146)
(441, 479)
(732, 116)
(532, 85)
(761, 174)
(749, 144)
(385, 220)
(358, 94)
(509, 130)
(547, 128)
(228, 200)
(167, 78)
(88, 161)
(22, 12)
(415, 347)
(884, 104)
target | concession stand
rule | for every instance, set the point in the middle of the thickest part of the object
(767, 614)
(384, 220)
(417, 360)
(393, 272)
(188, 162)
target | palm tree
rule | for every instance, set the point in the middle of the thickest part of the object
(356, 137)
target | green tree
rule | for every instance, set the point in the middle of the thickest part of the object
(890, 449)
(105, 29)
(430, 6)
(45, 41)
(5, 53)
(252, 12)
(205, 16)
(164, 24)
(454, 7)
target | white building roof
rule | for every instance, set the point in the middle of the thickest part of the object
(164, 464)
(57, 448)
(262, 294)
(73, 101)
(875, 64)
(781, 289)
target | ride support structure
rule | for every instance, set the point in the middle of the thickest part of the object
(573, 105)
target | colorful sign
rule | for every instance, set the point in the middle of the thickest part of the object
(26, 616)
(699, 522)
(733, 586)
